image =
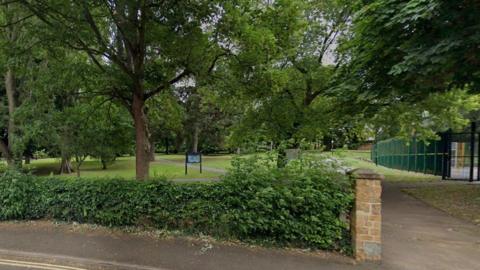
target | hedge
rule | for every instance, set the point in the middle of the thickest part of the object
(301, 205)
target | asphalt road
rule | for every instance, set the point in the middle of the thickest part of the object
(85, 248)
(415, 235)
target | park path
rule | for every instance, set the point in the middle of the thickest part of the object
(417, 236)
(182, 164)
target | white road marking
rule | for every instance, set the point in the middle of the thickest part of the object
(5, 253)
(34, 265)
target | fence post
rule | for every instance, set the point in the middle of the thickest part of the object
(424, 157)
(415, 149)
(478, 156)
(472, 149)
(435, 158)
(366, 219)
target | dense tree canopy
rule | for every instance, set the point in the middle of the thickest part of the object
(416, 46)
(404, 57)
(103, 78)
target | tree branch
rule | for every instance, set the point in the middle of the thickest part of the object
(17, 21)
(161, 87)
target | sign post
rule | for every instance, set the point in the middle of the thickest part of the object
(193, 158)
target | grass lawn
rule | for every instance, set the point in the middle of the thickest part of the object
(123, 167)
(459, 200)
(213, 161)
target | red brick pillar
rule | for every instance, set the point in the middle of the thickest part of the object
(367, 216)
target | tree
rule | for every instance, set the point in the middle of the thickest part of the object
(110, 132)
(144, 47)
(15, 56)
(165, 117)
(409, 49)
(285, 66)
(411, 65)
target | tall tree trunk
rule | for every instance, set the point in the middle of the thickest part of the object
(178, 142)
(104, 164)
(152, 150)
(196, 131)
(79, 161)
(142, 143)
(11, 88)
(166, 146)
(78, 170)
(65, 165)
(6, 152)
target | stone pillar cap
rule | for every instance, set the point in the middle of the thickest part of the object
(366, 174)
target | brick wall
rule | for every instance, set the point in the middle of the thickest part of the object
(367, 216)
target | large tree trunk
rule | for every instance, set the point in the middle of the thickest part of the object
(142, 143)
(178, 142)
(152, 150)
(11, 88)
(166, 146)
(104, 164)
(5, 152)
(196, 131)
(65, 165)
(79, 161)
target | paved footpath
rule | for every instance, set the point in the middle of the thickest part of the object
(416, 236)
(181, 163)
(56, 246)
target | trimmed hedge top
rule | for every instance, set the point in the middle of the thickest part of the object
(300, 205)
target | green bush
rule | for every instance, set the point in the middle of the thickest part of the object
(300, 205)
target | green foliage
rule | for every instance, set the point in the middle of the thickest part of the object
(300, 205)
(411, 65)
(416, 45)
(436, 112)
(285, 69)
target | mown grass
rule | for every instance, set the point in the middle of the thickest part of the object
(213, 161)
(124, 167)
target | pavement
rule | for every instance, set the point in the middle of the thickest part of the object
(84, 248)
(416, 236)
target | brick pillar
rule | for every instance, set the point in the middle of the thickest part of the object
(367, 217)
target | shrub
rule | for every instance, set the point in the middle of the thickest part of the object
(300, 205)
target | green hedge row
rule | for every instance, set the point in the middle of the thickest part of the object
(300, 205)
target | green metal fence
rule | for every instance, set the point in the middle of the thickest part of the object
(417, 156)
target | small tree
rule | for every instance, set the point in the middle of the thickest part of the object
(142, 46)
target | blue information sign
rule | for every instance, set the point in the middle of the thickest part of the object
(193, 158)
